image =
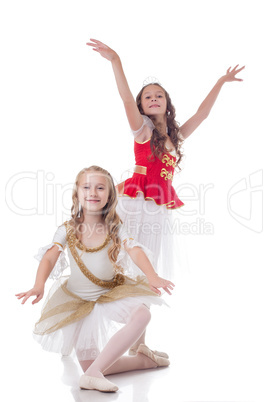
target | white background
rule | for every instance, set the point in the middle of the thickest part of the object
(60, 112)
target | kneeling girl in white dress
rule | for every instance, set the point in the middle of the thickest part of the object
(85, 310)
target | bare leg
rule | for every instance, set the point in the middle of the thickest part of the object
(120, 342)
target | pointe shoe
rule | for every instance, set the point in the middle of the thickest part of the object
(160, 361)
(133, 352)
(99, 384)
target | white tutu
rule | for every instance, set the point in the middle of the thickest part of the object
(89, 335)
(155, 227)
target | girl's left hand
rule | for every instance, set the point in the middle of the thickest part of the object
(231, 74)
(157, 282)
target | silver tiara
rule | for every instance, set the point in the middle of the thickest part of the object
(150, 81)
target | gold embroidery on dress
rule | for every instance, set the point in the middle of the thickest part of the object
(169, 161)
(168, 175)
(140, 169)
(93, 249)
(73, 242)
(58, 244)
(168, 205)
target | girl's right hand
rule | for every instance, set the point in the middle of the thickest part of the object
(38, 292)
(157, 282)
(104, 50)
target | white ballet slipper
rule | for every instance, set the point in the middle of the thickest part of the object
(95, 383)
(160, 361)
(133, 352)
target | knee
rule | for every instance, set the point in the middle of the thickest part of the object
(144, 314)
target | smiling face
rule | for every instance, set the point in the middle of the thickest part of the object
(93, 191)
(153, 100)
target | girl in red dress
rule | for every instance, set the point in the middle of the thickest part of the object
(146, 199)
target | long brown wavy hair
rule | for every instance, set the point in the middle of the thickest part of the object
(110, 216)
(158, 138)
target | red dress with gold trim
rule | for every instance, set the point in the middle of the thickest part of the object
(152, 177)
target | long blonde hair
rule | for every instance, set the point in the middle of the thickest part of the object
(110, 216)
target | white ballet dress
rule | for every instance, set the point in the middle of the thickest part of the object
(79, 314)
(147, 204)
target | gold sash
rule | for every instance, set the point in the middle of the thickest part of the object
(64, 307)
(140, 169)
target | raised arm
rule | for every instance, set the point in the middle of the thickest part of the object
(204, 109)
(132, 111)
(45, 267)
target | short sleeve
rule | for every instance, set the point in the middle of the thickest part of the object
(124, 235)
(124, 260)
(59, 240)
(60, 237)
(147, 124)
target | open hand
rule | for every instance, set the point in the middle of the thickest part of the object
(104, 50)
(157, 282)
(231, 74)
(39, 293)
